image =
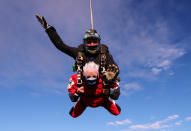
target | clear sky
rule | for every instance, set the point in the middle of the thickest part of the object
(149, 39)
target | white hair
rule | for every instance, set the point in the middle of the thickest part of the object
(91, 66)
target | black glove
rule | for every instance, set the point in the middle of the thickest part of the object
(42, 20)
(111, 73)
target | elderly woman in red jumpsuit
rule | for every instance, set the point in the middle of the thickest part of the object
(92, 93)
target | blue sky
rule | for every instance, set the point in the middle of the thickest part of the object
(149, 39)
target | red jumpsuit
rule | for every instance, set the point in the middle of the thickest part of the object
(93, 97)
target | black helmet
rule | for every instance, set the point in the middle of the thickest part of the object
(91, 33)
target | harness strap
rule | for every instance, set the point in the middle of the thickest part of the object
(103, 63)
(103, 60)
(79, 63)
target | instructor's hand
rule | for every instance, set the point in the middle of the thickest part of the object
(111, 73)
(42, 20)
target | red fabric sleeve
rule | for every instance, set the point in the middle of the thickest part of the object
(72, 85)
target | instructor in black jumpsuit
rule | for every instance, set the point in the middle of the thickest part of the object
(91, 50)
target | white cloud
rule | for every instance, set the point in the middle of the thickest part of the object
(156, 125)
(149, 54)
(163, 125)
(178, 123)
(164, 64)
(149, 126)
(156, 71)
(165, 55)
(171, 118)
(141, 73)
(130, 88)
(116, 123)
(147, 45)
(188, 118)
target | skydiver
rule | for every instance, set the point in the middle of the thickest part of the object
(90, 50)
(92, 93)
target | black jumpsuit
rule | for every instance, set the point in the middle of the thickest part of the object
(73, 51)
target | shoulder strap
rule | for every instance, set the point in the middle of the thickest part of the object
(103, 51)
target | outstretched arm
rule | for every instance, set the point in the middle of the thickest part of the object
(55, 38)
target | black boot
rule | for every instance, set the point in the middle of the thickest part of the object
(118, 107)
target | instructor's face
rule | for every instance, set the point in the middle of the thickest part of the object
(92, 42)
